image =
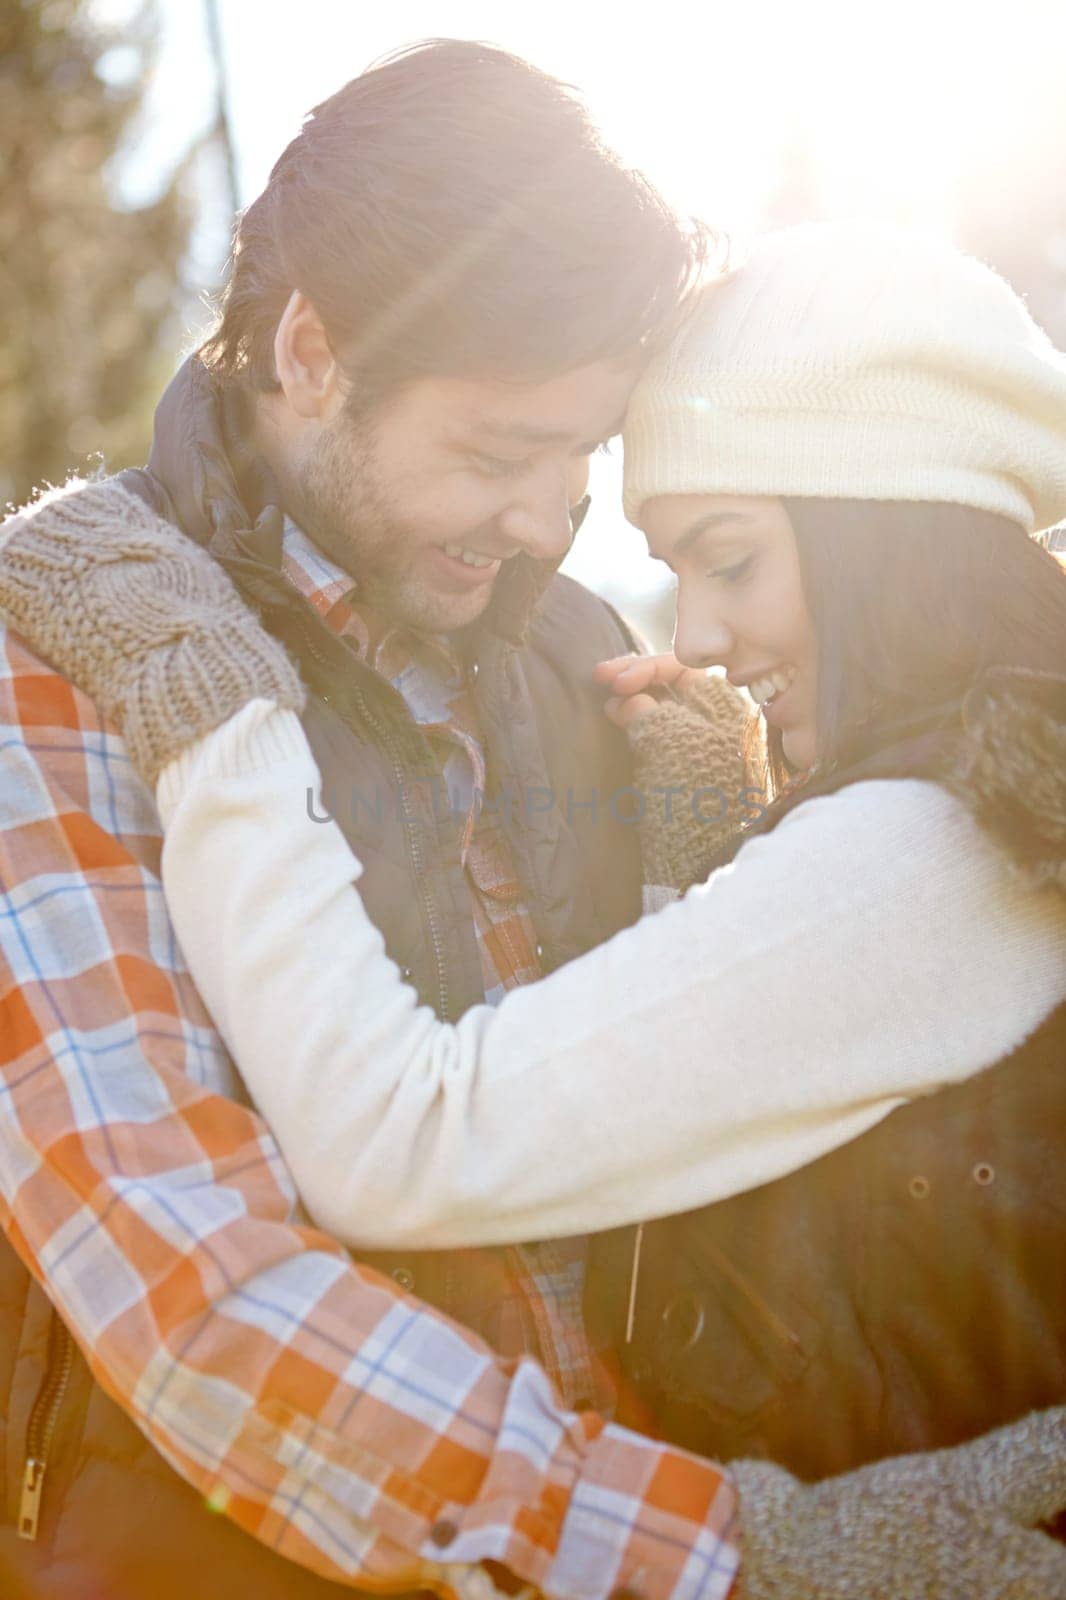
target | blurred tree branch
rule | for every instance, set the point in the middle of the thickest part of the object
(223, 130)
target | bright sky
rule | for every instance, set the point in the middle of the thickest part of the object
(890, 101)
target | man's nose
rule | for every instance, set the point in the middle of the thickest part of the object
(540, 521)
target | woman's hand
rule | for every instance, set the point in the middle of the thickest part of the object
(639, 683)
(687, 731)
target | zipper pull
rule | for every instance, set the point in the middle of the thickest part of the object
(30, 1503)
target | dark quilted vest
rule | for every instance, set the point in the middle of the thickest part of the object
(548, 745)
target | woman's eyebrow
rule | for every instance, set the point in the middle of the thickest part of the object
(711, 522)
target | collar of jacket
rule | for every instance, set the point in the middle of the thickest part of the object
(1001, 750)
(226, 499)
(1007, 761)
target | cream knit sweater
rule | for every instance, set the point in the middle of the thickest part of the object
(875, 946)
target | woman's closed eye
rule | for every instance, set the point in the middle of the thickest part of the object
(737, 572)
(499, 466)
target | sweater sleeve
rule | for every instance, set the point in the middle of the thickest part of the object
(872, 948)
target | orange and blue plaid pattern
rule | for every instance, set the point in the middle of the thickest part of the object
(350, 1428)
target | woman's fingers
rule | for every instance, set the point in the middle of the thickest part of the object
(635, 683)
(631, 675)
(620, 670)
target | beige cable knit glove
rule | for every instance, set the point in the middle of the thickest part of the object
(138, 616)
(949, 1525)
(690, 769)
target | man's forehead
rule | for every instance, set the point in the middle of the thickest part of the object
(573, 408)
(518, 432)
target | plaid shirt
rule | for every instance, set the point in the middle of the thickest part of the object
(334, 1418)
(525, 1300)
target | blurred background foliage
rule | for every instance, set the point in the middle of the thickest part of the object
(91, 287)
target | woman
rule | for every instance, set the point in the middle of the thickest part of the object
(842, 459)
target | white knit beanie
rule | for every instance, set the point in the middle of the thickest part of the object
(851, 360)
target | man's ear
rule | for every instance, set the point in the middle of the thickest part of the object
(306, 367)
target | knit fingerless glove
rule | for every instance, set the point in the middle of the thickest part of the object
(139, 617)
(947, 1525)
(691, 773)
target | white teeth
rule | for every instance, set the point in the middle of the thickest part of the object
(762, 690)
(469, 557)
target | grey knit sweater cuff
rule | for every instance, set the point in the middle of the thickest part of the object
(139, 617)
(947, 1525)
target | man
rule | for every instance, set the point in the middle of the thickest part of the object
(437, 309)
(386, 443)
(423, 338)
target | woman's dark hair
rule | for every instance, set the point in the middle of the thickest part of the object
(452, 212)
(910, 603)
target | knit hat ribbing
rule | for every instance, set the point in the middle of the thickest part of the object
(846, 360)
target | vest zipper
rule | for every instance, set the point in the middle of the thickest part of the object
(389, 747)
(634, 1279)
(43, 1419)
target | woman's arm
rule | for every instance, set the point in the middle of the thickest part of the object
(871, 948)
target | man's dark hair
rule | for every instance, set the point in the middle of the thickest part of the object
(453, 212)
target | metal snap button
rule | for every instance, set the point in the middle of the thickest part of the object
(984, 1173)
(406, 974)
(403, 1277)
(683, 1316)
(443, 1533)
(919, 1188)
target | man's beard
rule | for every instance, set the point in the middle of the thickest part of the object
(343, 505)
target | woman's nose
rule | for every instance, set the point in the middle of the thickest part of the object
(702, 639)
